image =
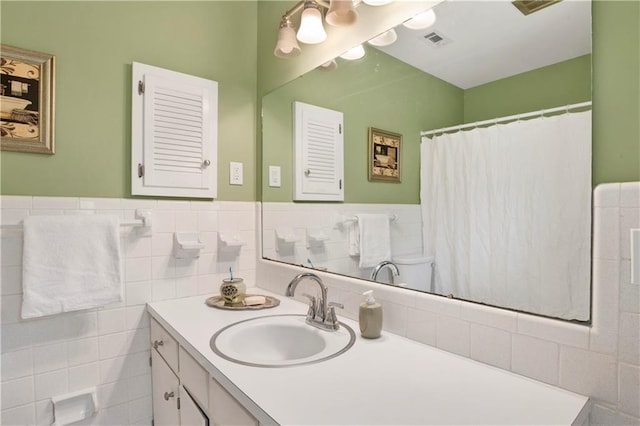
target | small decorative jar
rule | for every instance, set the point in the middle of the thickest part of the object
(233, 290)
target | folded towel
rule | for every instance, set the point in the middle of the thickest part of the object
(70, 263)
(375, 239)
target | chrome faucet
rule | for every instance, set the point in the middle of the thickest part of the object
(386, 264)
(321, 313)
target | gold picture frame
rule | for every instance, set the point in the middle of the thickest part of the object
(27, 92)
(384, 155)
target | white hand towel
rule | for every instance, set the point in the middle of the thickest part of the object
(70, 263)
(375, 239)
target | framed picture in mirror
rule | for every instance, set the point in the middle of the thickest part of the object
(27, 100)
(384, 155)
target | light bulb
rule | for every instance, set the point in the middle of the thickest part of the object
(311, 30)
(377, 2)
(331, 65)
(341, 12)
(384, 39)
(287, 45)
(421, 20)
(354, 53)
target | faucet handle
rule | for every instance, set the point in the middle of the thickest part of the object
(313, 303)
(332, 318)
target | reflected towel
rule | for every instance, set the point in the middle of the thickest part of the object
(375, 239)
(70, 263)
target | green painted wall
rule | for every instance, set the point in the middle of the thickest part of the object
(560, 84)
(376, 91)
(615, 82)
(94, 44)
(616, 91)
(380, 91)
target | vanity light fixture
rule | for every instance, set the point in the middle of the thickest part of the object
(311, 30)
(354, 53)
(421, 20)
(287, 45)
(384, 39)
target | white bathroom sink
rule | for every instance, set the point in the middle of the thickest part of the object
(280, 341)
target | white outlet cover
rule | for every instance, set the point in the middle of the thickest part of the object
(274, 176)
(235, 173)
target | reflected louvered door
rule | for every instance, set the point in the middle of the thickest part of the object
(318, 153)
(176, 131)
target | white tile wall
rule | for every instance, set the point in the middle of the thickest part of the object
(108, 347)
(302, 219)
(601, 360)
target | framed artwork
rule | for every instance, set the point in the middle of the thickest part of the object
(384, 155)
(27, 100)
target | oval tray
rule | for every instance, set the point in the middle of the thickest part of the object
(218, 302)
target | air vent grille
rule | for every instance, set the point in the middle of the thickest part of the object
(527, 7)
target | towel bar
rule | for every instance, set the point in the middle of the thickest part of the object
(347, 219)
(144, 221)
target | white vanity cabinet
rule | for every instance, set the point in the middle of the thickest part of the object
(183, 391)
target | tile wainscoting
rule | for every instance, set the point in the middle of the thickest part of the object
(109, 347)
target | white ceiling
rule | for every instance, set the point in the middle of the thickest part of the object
(491, 40)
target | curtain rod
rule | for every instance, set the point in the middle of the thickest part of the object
(508, 118)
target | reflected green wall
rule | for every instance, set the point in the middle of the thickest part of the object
(380, 91)
(94, 44)
(376, 91)
(560, 84)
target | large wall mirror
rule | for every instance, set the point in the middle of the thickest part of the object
(497, 212)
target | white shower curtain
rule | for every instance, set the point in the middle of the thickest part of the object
(507, 214)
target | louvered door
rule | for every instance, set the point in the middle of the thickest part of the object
(174, 119)
(318, 153)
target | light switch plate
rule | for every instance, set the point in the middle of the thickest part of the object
(235, 173)
(274, 176)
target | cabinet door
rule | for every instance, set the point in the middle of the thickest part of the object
(165, 392)
(225, 410)
(166, 345)
(190, 413)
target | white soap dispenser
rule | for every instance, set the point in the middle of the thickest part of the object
(370, 316)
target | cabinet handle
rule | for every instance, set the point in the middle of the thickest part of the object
(157, 343)
(168, 395)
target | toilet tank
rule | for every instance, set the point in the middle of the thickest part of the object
(415, 271)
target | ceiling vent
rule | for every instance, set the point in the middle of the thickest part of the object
(436, 39)
(527, 7)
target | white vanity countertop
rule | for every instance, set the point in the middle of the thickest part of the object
(386, 381)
